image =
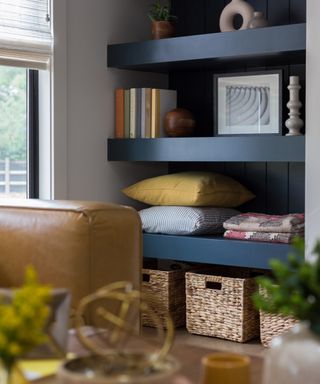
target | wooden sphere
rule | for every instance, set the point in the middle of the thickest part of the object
(179, 122)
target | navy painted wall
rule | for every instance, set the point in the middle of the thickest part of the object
(279, 186)
(202, 16)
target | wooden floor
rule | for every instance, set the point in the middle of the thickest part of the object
(252, 348)
(189, 349)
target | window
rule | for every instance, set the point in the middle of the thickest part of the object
(25, 48)
(13, 132)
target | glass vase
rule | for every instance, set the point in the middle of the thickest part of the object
(293, 357)
(5, 374)
(258, 21)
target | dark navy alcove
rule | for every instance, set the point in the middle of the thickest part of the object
(271, 166)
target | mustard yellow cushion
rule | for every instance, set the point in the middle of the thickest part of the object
(190, 189)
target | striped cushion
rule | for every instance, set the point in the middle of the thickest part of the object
(178, 220)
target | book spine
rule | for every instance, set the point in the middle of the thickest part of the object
(138, 112)
(143, 113)
(147, 119)
(132, 132)
(154, 111)
(119, 113)
(127, 113)
(157, 113)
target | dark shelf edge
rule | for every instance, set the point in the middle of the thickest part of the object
(213, 250)
(272, 44)
(265, 148)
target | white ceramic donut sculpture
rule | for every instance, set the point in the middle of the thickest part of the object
(235, 7)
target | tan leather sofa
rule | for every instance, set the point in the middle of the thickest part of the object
(72, 244)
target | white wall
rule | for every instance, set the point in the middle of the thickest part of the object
(90, 26)
(312, 126)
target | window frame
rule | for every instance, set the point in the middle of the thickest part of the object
(32, 134)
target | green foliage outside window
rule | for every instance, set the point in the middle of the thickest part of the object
(13, 113)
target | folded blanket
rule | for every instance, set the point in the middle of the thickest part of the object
(259, 222)
(270, 237)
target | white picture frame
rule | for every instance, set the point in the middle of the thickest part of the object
(248, 103)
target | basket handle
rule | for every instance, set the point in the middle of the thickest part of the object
(215, 285)
(146, 277)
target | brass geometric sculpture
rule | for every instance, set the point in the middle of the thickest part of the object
(118, 351)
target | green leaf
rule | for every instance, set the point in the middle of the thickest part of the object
(294, 288)
(160, 12)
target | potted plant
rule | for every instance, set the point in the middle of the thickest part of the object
(293, 290)
(162, 20)
(22, 324)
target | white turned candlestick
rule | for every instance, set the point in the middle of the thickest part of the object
(294, 123)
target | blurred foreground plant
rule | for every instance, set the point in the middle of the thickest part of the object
(23, 319)
(294, 289)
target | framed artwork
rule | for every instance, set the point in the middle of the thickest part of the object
(248, 103)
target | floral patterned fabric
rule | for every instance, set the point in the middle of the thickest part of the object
(274, 224)
(270, 237)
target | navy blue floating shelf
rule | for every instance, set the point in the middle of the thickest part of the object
(283, 44)
(264, 148)
(213, 250)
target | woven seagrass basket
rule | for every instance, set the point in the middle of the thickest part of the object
(221, 306)
(166, 295)
(274, 325)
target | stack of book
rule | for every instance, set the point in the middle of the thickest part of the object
(140, 112)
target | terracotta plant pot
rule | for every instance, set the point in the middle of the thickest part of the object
(162, 29)
(179, 122)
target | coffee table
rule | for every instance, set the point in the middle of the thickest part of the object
(189, 358)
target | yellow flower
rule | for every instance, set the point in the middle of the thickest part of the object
(23, 320)
(14, 349)
(3, 341)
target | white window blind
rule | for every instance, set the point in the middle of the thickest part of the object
(25, 33)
